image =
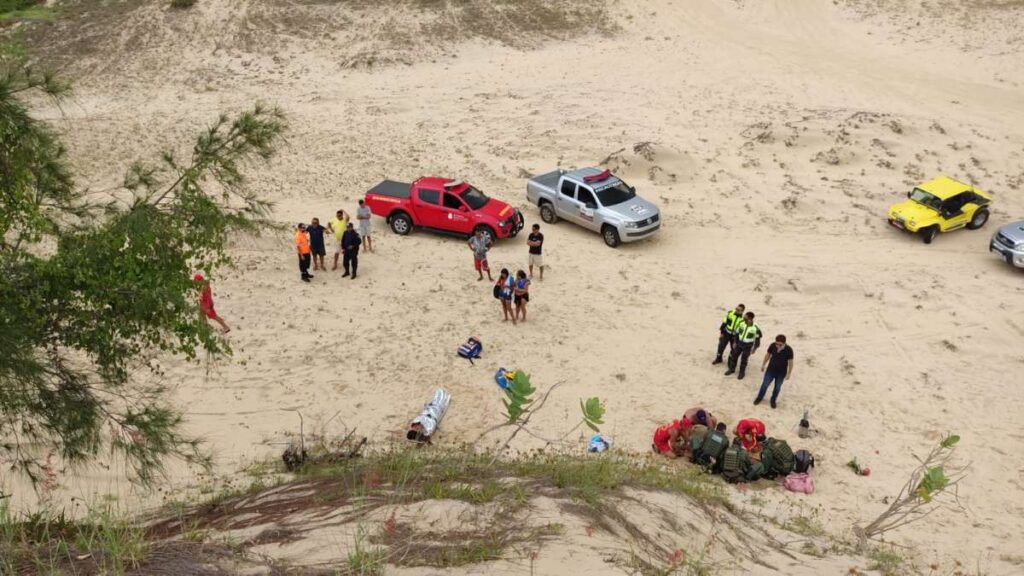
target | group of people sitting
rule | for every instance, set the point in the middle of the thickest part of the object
(749, 456)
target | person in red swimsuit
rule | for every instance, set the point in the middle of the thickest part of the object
(670, 439)
(206, 309)
(751, 433)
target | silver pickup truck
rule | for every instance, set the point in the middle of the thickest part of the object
(596, 200)
(1008, 242)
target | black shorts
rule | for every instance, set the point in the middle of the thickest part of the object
(522, 298)
(319, 251)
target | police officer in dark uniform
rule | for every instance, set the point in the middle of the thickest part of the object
(748, 340)
(727, 332)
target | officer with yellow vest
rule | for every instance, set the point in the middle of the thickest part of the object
(748, 340)
(727, 331)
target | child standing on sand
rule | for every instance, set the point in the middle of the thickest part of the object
(503, 292)
(521, 291)
(206, 310)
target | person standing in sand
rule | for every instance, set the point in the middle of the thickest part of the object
(206, 310)
(350, 242)
(480, 244)
(727, 332)
(521, 294)
(748, 340)
(536, 243)
(364, 216)
(779, 363)
(338, 226)
(503, 292)
(316, 243)
(303, 250)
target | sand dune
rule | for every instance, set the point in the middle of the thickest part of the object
(773, 135)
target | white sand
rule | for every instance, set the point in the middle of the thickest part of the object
(750, 107)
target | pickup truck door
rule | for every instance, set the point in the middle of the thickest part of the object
(586, 206)
(455, 213)
(428, 208)
(565, 200)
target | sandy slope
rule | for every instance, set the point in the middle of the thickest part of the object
(781, 131)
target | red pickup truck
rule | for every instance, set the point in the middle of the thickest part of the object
(442, 205)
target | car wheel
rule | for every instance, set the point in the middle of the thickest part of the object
(929, 233)
(401, 224)
(488, 233)
(979, 220)
(547, 213)
(611, 236)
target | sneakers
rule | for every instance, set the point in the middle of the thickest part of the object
(305, 278)
(345, 274)
(730, 372)
(740, 377)
(718, 360)
(353, 276)
(757, 401)
(773, 404)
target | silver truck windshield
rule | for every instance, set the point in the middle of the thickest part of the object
(926, 199)
(475, 198)
(616, 194)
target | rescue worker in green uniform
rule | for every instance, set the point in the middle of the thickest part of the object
(727, 331)
(748, 340)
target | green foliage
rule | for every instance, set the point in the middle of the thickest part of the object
(90, 294)
(24, 10)
(46, 543)
(182, 4)
(886, 560)
(365, 560)
(518, 396)
(593, 412)
(934, 480)
(416, 475)
(39, 13)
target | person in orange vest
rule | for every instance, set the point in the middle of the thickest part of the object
(302, 247)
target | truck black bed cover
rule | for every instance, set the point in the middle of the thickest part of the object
(392, 188)
(548, 180)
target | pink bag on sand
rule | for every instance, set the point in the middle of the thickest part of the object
(799, 483)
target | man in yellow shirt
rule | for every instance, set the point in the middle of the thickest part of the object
(337, 226)
(302, 247)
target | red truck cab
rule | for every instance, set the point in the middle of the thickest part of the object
(442, 205)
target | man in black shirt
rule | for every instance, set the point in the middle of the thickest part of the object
(350, 242)
(777, 368)
(316, 244)
(536, 243)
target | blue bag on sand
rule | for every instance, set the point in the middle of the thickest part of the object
(598, 444)
(499, 377)
(470, 349)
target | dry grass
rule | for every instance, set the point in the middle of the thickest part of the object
(589, 487)
(357, 33)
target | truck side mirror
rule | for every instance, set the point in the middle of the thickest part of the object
(463, 208)
(909, 194)
(632, 189)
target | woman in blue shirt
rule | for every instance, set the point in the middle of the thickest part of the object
(522, 294)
